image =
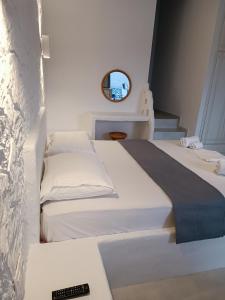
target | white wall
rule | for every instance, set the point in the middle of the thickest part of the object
(20, 99)
(87, 39)
(182, 56)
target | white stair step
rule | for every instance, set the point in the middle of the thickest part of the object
(166, 123)
(169, 133)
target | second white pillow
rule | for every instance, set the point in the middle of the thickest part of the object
(69, 141)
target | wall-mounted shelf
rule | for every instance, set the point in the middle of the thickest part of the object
(118, 116)
(92, 118)
(136, 124)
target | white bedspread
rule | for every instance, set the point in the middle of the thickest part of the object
(141, 203)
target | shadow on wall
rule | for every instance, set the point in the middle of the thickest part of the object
(168, 28)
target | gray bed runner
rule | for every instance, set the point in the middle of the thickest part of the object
(198, 207)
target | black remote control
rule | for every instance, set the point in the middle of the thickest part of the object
(71, 292)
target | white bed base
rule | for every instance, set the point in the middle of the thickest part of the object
(129, 258)
(33, 154)
(139, 257)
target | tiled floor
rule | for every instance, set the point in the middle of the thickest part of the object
(201, 286)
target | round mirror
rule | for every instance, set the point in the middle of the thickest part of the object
(116, 85)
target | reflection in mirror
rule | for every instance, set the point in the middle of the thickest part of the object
(116, 85)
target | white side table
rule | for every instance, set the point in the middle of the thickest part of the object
(56, 266)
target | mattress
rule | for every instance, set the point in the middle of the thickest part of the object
(140, 205)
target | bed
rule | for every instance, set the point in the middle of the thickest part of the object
(140, 205)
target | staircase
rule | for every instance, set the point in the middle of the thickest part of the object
(167, 127)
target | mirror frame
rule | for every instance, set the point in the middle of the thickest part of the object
(130, 83)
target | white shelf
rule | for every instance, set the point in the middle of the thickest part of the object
(144, 118)
(118, 117)
(91, 119)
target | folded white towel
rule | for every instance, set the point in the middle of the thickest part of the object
(196, 145)
(186, 141)
(210, 155)
(220, 167)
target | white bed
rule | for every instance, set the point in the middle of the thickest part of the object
(141, 203)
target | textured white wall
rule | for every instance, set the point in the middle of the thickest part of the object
(87, 39)
(19, 104)
(182, 56)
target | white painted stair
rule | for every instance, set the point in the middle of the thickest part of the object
(167, 127)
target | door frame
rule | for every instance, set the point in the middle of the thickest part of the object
(204, 106)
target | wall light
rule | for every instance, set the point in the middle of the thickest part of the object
(45, 46)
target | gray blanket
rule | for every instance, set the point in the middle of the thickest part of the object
(199, 208)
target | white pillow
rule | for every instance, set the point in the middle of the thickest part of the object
(68, 141)
(73, 176)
